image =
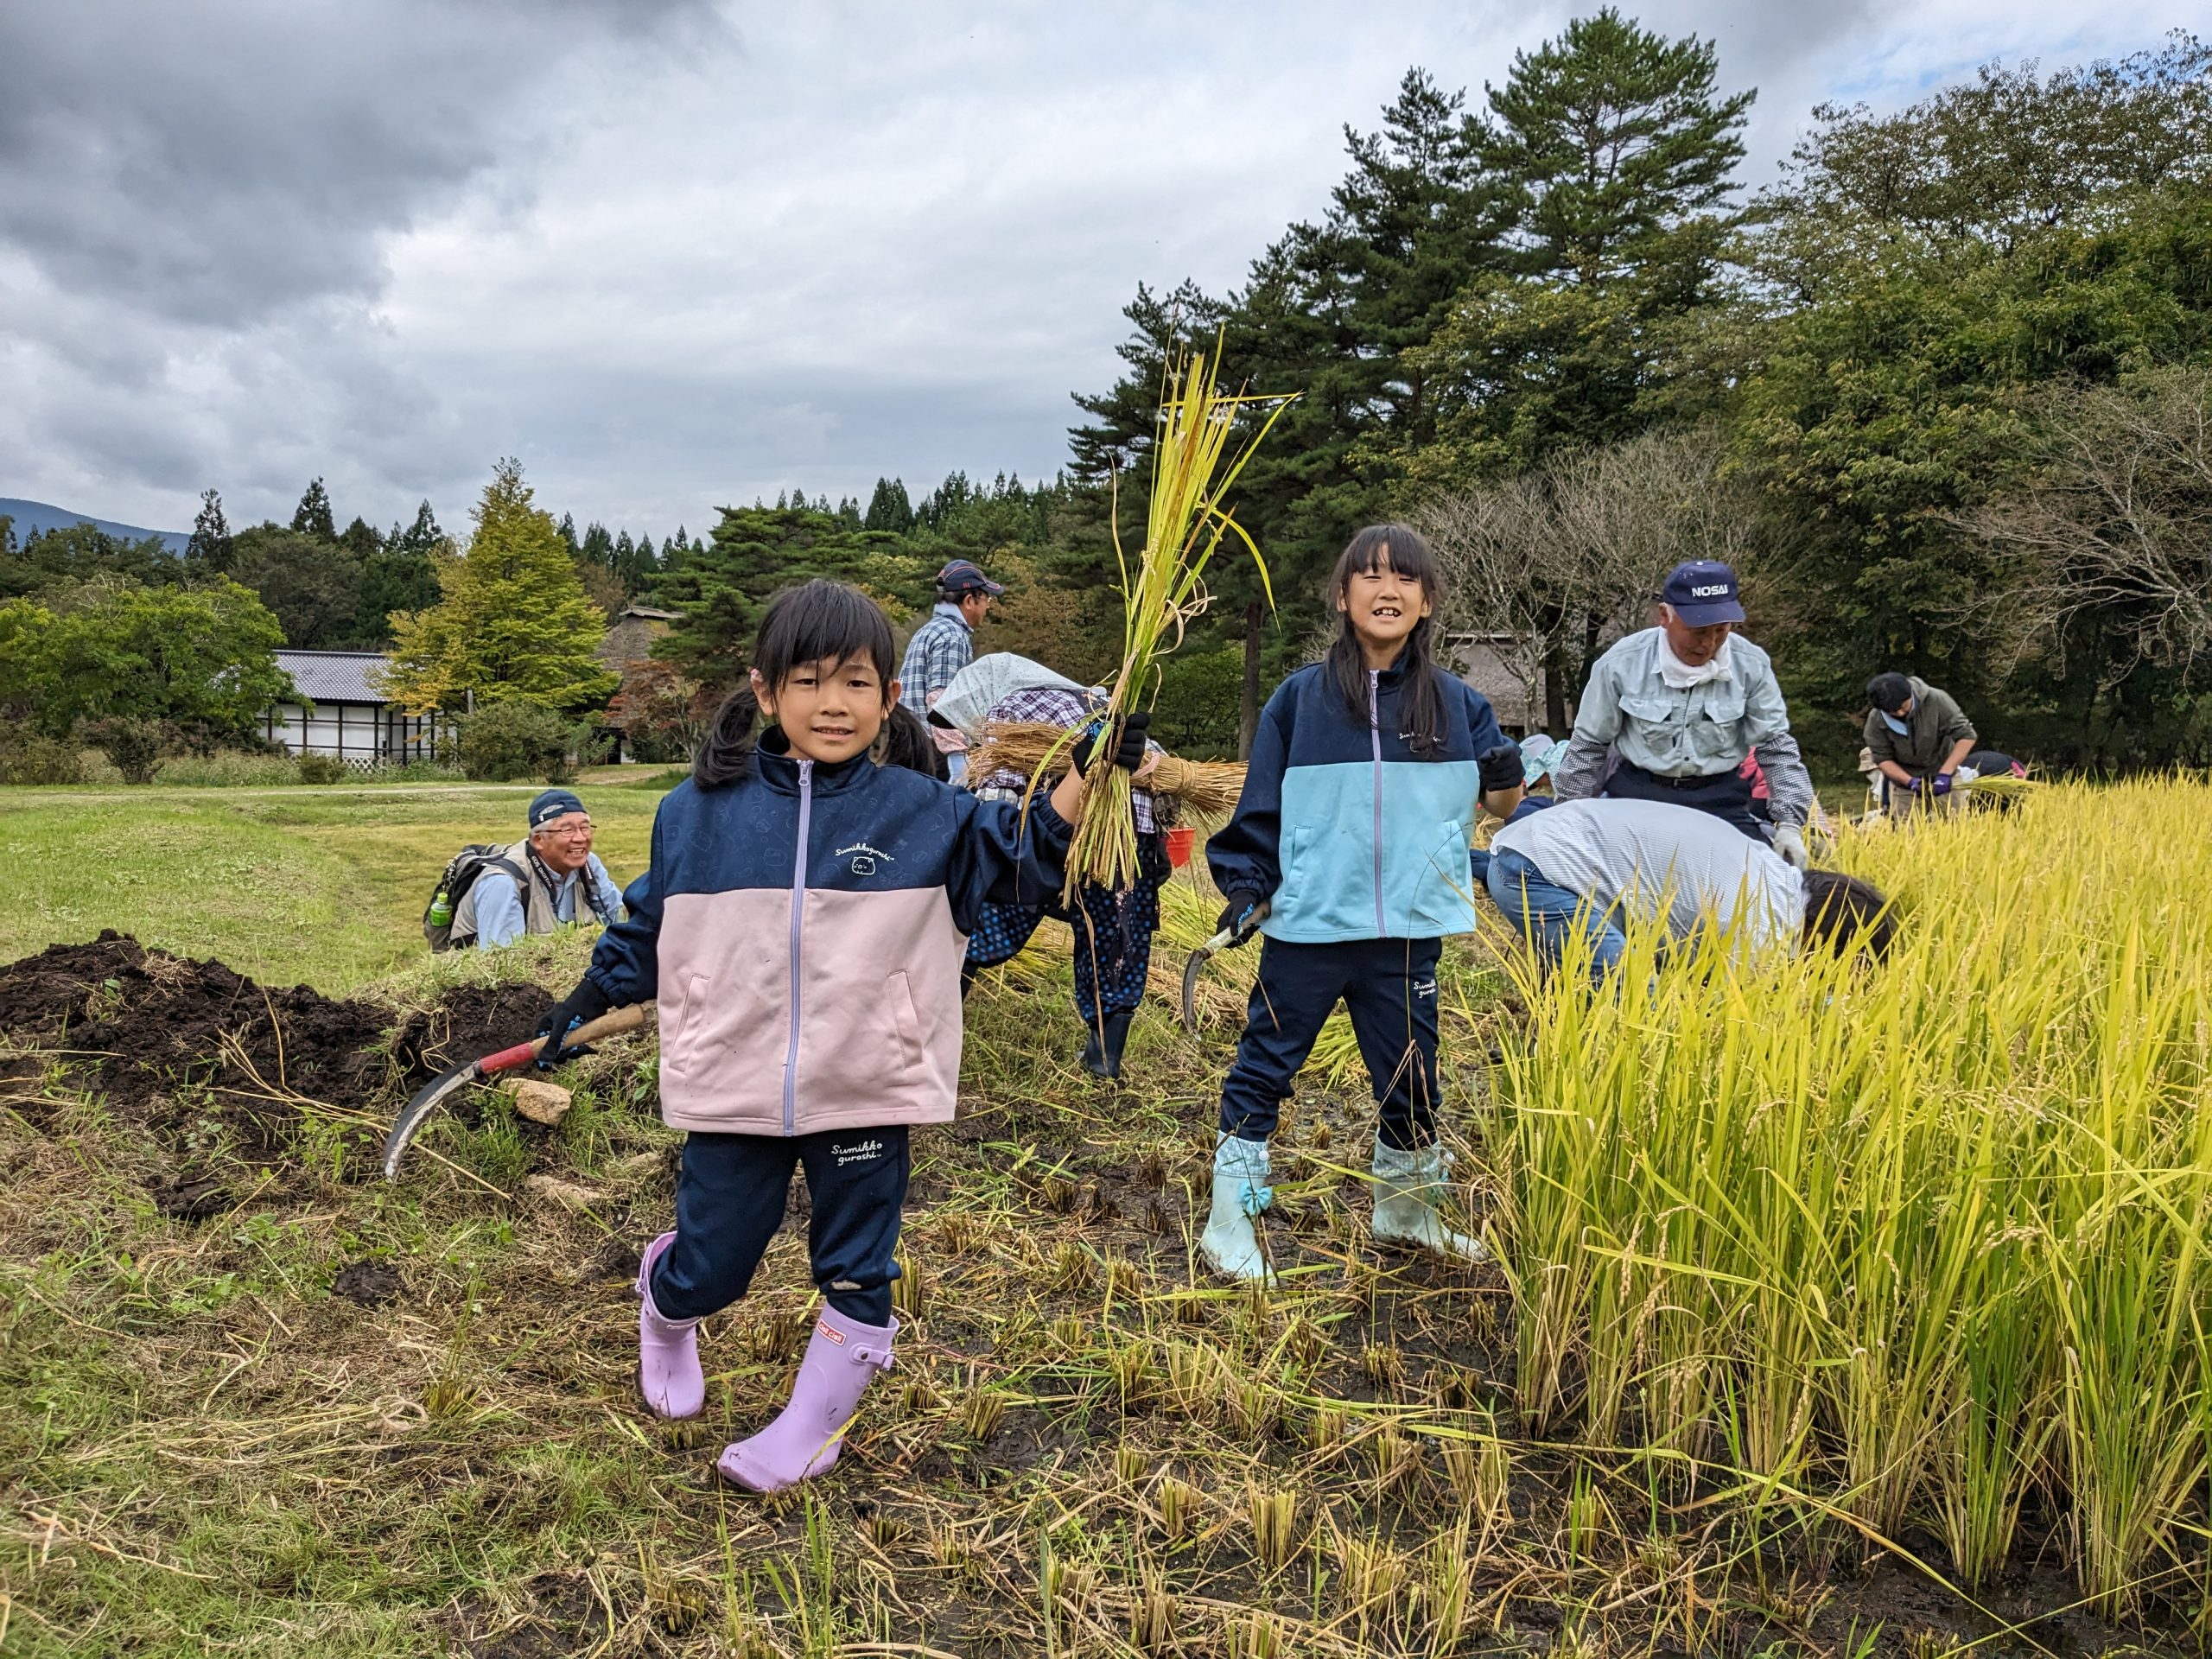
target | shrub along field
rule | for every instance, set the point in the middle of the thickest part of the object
(1839, 1312)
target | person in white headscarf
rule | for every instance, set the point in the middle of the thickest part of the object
(1113, 930)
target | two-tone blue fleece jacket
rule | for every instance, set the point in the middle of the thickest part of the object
(802, 930)
(1346, 831)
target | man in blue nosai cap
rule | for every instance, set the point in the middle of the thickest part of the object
(557, 867)
(1676, 709)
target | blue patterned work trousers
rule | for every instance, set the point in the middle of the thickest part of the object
(1112, 935)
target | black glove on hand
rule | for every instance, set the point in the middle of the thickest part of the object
(1501, 768)
(1240, 917)
(1128, 755)
(584, 1004)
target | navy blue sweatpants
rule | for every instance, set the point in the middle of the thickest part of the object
(729, 1200)
(1725, 795)
(1388, 988)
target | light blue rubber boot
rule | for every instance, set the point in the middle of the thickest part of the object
(1230, 1244)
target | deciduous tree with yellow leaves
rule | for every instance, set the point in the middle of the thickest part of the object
(512, 620)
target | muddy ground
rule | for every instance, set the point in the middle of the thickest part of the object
(224, 1072)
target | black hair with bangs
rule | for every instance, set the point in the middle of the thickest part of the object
(1839, 909)
(813, 622)
(1420, 698)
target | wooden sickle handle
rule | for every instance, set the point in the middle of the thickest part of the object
(613, 1023)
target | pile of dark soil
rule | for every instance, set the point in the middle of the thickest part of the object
(468, 1022)
(216, 1066)
(166, 1038)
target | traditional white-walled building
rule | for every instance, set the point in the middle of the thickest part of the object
(349, 720)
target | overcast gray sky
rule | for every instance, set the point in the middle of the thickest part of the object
(674, 253)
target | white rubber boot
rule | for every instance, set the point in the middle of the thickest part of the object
(1229, 1244)
(1409, 1189)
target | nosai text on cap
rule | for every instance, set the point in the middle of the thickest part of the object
(1701, 591)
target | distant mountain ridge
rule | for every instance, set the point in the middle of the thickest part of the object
(41, 516)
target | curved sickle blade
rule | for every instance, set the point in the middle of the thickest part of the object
(425, 1100)
(613, 1023)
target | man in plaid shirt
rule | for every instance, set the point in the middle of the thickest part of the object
(943, 646)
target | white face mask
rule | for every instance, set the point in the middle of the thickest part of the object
(1681, 676)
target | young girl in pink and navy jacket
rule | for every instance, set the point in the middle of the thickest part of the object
(802, 925)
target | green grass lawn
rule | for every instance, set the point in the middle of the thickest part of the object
(324, 886)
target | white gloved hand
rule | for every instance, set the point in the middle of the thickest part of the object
(1790, 841)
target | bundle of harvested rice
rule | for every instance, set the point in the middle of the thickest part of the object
(1205, 788)
(2002, 785)
(1193, 468)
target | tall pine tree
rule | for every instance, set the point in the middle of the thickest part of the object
(210, 548)
(313, 515)
(360, 539)
(597, 547)
(1621, 152)
(888, 508)
(1615, 139)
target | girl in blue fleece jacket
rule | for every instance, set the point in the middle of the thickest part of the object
(1349, 852)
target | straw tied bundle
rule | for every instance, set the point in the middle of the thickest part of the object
(1193, 467)
(1207, 789)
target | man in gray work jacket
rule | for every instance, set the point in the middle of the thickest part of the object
(547, 880)
(1671, 714)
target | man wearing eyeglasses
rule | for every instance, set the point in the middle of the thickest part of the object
(538, 883)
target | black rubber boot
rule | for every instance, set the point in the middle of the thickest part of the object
(968, 972)
(1104, 1059)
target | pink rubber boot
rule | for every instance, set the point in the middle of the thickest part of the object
(667, 1350)
(842, 1357)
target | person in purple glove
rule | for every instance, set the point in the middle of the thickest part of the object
(802, 925)
(1918, 737)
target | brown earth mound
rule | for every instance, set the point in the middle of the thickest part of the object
(198, 1051)
(469, 1022)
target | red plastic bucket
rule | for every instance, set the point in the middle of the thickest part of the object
(1179, 841)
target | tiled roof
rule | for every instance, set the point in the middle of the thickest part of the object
(333, 676)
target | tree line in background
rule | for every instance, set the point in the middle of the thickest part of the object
(1942, 392)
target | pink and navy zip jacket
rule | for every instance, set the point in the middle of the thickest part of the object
(802, 928)
(1346, 831)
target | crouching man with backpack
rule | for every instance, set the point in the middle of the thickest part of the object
(491, 896)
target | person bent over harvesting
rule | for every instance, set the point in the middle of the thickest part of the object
(1113, 929)
(1587, 868)
(1348, 851)
(1917, 738)
(802, 923)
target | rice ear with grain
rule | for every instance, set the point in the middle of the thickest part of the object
(1209, 788)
